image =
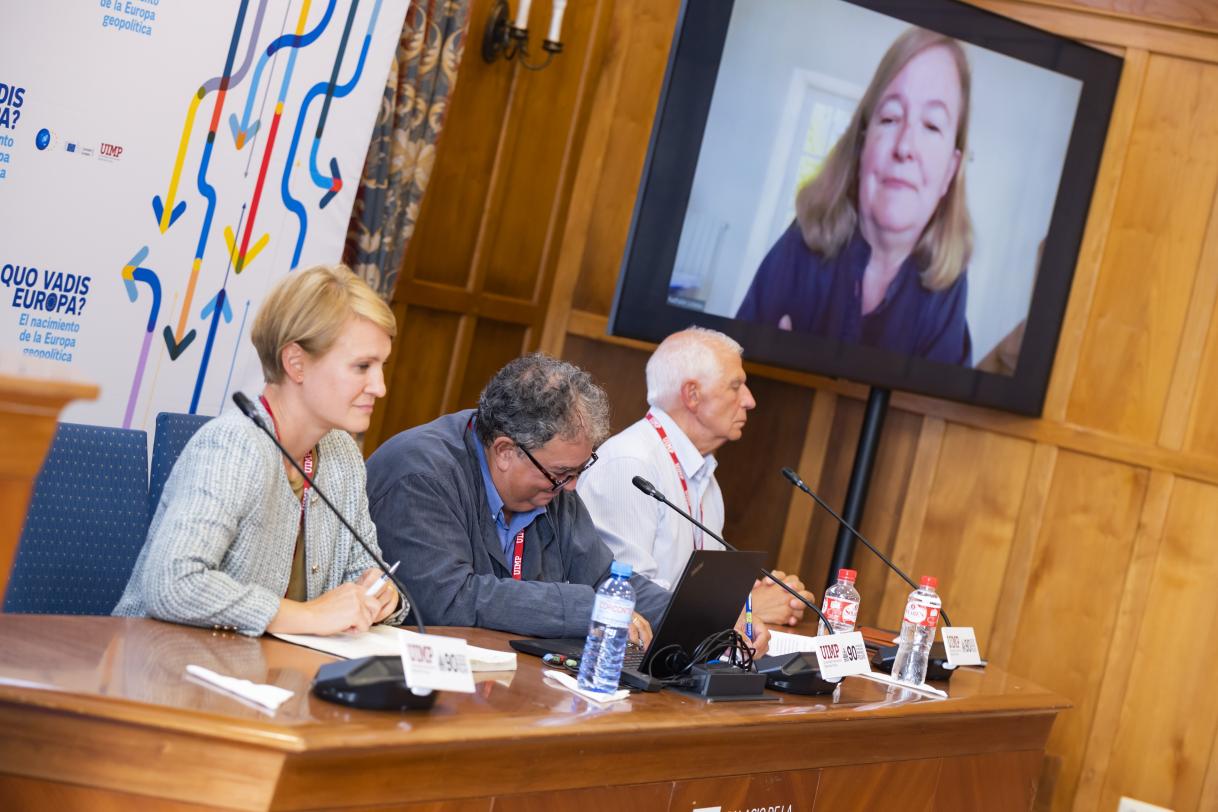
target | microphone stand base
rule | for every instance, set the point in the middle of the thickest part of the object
(372, 683)
(796, 673)
(937, 669)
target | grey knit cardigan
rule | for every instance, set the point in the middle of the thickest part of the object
(219, 549)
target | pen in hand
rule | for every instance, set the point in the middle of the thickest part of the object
(748, 617)
(380, 582)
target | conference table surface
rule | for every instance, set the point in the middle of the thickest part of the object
(98, 712)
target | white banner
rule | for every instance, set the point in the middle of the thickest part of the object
(162, 164)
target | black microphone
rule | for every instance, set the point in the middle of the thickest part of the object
(799, 483)
(247, 408)
(651, 490)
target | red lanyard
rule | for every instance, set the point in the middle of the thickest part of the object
(655, 424)
(518, 552)
(306, 464)
(518, 556)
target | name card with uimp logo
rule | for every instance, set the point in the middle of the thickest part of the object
(840, 655)
(961, 645)
(439, 663)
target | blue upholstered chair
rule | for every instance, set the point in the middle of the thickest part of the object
(86, 524)
(173, 432)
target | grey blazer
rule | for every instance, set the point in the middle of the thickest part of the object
(429, 503)
(219, 549)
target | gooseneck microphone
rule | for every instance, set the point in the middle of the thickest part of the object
(651, 490)
(799, 483)
(247, 408)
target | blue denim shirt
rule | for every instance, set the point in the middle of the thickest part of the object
(506, 530)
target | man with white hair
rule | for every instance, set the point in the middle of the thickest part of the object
(698, 401)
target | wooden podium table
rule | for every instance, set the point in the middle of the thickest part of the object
(96, 713)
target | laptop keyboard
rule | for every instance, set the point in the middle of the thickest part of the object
(633, 657)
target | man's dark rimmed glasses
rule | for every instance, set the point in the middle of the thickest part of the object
(555, 482)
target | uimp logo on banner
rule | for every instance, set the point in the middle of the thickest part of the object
(438, 663)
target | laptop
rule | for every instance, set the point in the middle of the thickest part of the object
(706, 600)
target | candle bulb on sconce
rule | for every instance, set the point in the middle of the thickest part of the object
(508, 37)
(553, 40)
(522, 16)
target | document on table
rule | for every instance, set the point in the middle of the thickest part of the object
(787, 643)
(383, 640)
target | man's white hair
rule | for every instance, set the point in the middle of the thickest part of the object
(685, 356)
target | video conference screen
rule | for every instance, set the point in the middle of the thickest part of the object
(889, 192)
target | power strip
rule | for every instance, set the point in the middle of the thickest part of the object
(723, 680)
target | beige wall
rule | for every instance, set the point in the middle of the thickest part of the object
(1080, 545)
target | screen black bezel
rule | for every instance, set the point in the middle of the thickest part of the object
(641, 309)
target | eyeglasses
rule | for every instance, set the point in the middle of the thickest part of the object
(555, 482)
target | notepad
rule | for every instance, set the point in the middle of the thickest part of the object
(383, 640)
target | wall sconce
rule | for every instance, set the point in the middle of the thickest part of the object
(511, 39)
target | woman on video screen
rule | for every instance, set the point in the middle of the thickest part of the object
(877, 252)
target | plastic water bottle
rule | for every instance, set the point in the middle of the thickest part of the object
(917, 633)
(841, 604)
(600, 668)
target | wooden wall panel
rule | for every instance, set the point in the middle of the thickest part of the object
(619, 370)
(1130, 618)
(417, 374)
(1023, 548)
(913, 516)
(1162, 756)
(811, 462)
(971, 518)
(1074, 589)
(1201, 401)
(483, 93)
(1202, 13)
(532, 162)
(894, 461)
(494, 344)
(1152, 252)
(641, 34)
(755, 494)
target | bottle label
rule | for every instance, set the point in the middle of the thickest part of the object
(921, 614)
(612, 611)
(841, 610)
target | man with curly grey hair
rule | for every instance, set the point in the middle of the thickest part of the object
(480, 507)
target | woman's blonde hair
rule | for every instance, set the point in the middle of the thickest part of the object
(827, 206)
(310, 308)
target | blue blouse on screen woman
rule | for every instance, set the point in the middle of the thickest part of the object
(824, 297)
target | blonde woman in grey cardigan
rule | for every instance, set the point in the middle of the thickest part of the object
(238, 540)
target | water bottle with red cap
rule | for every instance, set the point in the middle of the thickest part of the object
(917, 632)
(841, 604)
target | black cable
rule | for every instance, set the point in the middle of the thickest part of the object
(728, 641)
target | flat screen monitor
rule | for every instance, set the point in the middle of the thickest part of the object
(886, 191)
